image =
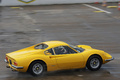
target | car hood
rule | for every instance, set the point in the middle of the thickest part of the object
(23, 52)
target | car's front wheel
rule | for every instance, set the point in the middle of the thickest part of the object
(37, 68)
(94, 63)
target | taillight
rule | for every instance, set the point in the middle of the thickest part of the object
(15, 63)
(6, 58)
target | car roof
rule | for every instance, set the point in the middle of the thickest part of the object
(55, 43)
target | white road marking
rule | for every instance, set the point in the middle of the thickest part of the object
(49, 11)
(3, 76)
(97, 8)
(37, 30)
(26, 16)
(6, 35)
(111, 67)
(80, 75)
(115, 72)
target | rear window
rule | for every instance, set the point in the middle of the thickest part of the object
(41, 46)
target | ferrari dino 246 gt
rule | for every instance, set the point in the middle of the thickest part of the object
(56, 55)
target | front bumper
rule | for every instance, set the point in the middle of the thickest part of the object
(109, 59)
(16, 67)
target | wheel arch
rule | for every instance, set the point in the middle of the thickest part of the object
(95, 55)
(38, 61)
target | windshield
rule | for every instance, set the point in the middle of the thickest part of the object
(41, 46)
(77, 48)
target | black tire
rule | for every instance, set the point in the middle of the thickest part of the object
(94, 63)
(37, 68)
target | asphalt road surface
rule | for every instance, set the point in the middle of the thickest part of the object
(22, 27)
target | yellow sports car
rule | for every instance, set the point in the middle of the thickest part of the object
(56, 55)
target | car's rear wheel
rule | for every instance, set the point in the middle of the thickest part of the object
(94, 63)
(37, 68)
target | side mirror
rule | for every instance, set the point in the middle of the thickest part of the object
(48, 53)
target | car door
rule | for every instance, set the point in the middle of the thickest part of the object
(51, 60)
(67, 58)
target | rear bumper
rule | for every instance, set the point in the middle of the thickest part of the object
(109, 59)
(6, 61)
(16, 67)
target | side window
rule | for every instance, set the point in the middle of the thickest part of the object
(49, 52)
(63, 50)
(69, 50)
(41, 46)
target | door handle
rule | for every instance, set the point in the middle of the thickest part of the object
(55, 56)
(52, 57)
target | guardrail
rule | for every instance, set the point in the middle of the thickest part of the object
(46, 2)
